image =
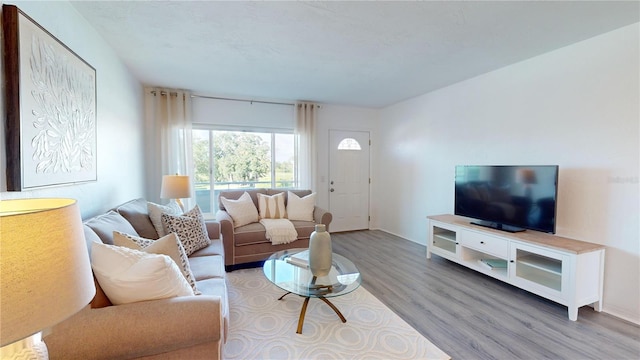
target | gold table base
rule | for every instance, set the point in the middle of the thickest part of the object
(303, 311)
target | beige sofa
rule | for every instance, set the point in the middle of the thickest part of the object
(248, 243)
(190, 327)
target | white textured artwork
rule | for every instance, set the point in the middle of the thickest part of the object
(58, 111)
(64, 115)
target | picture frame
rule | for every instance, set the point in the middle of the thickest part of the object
(51, 102)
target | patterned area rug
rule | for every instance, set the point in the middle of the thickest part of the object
(261, 327)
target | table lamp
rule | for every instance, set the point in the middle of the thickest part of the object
(176, 187)
(45, 271)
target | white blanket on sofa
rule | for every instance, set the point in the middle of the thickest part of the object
(279, 231)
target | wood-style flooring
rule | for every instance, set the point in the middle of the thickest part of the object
(472, 316)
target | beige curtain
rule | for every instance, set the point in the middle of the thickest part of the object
(168, 143)
(305, 135)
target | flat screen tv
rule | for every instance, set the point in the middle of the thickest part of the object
(507, 197)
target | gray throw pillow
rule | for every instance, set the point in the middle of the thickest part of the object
(190, 228)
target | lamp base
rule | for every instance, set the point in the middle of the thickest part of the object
(32, 348)
(180, 205)
(176, 205)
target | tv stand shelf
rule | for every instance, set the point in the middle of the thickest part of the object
(567, 271)
(554, 267)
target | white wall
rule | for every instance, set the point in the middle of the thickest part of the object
(577, 107)
(120, 117)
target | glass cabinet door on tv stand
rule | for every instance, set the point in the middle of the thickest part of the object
(443, 240)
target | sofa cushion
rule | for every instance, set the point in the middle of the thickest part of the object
(272, 206)
(243, 211)
(168, 245)
(250, 234)
(304, 228)
(256, 234)
(128, 275)
(215, 248)
(104, 225)
(135, 211)
(90, 237)
(190, 228)
(207, 267)
(300, 208)
(155, 215)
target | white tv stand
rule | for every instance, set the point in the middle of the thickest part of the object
(567, 271)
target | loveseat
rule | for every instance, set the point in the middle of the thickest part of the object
(186, 327)
(248, 243)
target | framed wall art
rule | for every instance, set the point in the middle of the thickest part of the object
(51, 108)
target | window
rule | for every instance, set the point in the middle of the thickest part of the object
(349, 144)
(240, 159)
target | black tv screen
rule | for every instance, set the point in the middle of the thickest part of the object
(506, 197)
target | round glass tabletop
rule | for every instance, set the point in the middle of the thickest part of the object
(293, 275)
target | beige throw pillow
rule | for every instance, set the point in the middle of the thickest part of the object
(272, 207)
(128, 275)
(243, 211)
(300, 208)
(155, 214)
(190, 229)
(168, 245)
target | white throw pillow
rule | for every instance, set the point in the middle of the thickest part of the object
(272, 207)
(155, 214)
(243, 211)
(300, 208)
(190, 228)
(128, 275)
(168, 245)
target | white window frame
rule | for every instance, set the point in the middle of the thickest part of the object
(272, 131)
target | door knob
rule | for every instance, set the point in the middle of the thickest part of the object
(331, 182)
(332, 190)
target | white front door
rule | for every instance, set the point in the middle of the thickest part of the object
(349, 180)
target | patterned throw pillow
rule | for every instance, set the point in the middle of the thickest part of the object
(168, 245)
(190, 228)
(243, 211)
(128, 275)
(155, 214)
(300, 208)
(272, 207)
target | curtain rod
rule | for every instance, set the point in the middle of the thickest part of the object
(164, 93)
(249, 101)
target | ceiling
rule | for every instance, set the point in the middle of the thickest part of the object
(368, 54)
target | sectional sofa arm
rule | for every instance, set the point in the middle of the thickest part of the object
(138, 329)
(322, 216)
(226, 229)
(213, 229)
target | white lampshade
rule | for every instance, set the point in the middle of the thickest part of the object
(44, 266)
(175, 187)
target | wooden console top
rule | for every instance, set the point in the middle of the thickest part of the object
(530, 236)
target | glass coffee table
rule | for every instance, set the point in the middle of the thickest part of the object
(343, 278)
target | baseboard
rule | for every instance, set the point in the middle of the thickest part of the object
(622, 314)
(402, 237)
